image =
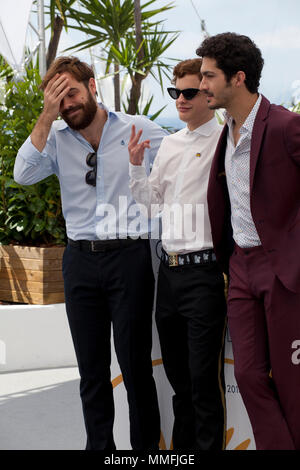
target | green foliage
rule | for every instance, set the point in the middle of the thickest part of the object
(155, 43)
(296, 108)
(62, 6)
(29, 215)
(57, 7)
(146, 110)
(108, 21)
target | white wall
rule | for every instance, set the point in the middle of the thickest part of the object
(34, 337)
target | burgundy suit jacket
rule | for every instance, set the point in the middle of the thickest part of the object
(274, 192)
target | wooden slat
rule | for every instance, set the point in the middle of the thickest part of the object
(16, 251)
(35, 287)
(31, 298)
(30, 275)
(32, 264)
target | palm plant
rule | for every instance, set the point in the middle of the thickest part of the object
(112, 24)
(57, 10)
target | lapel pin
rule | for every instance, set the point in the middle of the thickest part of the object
(198, 154)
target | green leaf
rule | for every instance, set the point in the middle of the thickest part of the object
(23, 209)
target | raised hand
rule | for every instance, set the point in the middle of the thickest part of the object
(54, 93)
(136, 150)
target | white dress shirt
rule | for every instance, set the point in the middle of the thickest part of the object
(177, 186)
(237, 167)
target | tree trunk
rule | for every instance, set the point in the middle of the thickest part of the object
(117, 87)
(135, 91)
(138, 29)
(53, 44)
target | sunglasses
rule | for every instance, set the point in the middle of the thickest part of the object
(91, 160)
(188, 93)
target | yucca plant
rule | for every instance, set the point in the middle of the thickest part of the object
(112, 25)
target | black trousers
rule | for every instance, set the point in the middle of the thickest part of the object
(191, 317)
(115, 287)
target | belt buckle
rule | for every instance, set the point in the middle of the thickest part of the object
(93, 246)
(173, 259)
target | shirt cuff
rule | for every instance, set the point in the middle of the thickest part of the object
(30, 153)
(137, 172)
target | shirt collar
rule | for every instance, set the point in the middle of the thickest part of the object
(205, 129)
(249, 122)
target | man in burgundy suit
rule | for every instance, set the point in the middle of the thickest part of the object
(254, 208)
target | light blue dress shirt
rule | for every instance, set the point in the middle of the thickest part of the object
(108, 210)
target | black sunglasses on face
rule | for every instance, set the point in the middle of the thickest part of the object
(91, 160)
(188, 93)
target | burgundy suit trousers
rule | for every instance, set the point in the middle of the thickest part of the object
(264, 324)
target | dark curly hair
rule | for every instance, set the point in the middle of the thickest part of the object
(232, 53)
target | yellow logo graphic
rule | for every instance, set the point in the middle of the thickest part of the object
(242, 446)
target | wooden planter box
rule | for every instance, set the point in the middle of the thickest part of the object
(31, 275)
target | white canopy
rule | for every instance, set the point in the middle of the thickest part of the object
(14, 17)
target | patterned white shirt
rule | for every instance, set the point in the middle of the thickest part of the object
(237, 167)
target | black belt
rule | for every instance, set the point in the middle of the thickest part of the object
(196, 257)
(101, 246)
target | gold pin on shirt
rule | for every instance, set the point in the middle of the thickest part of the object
(198, 154)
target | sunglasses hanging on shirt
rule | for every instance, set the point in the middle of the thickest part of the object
(188, 93)
(91, 160)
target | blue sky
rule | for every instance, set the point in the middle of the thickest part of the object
(273, 24)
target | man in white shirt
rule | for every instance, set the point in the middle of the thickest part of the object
(190, 307)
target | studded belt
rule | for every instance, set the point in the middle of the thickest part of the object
(195, 257)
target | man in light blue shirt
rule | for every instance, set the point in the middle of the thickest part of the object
(107, 263)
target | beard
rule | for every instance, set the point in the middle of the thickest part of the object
(214, 106)
(223, 98)
(84, 119)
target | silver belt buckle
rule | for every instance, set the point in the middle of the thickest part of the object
(173, 259)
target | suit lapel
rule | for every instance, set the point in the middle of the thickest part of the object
(217, 173)
(257, 136)
(219, 159)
